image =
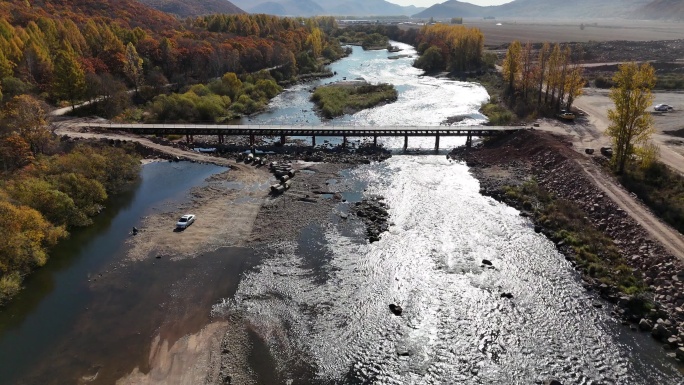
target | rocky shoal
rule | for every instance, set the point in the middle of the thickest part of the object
(553, 164)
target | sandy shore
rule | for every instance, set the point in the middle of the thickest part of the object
(234, 208)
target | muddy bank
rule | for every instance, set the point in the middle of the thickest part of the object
(558, 169)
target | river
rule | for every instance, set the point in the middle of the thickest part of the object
(325, 295)
(455, 328)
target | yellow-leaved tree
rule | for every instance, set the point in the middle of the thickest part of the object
(631, 125)
(511, 65)
(26, 237)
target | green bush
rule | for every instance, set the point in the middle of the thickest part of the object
(497, 114)
(217, 101)
(660, 188)
(10, 285)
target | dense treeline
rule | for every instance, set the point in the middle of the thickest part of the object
(220, 100)
(47, 187)
(87, 58)
(442, 47)
(454, 48)
(548, 81)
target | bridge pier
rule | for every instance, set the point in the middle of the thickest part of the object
(375, 140)
(436, 143)
(405, 142)
(313, 140)
(251, 140)
(344, 141)
(282, 140)
(189, 138)
(469, 140)
(220, 139)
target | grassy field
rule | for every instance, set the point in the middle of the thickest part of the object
(557, 31)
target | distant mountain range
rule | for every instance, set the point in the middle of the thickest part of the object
(562, 9)
(661, 10)
(185, 8)
(326, 7)
(550, 9)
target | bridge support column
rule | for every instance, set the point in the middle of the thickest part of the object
(469, 140)
(313, 141)
(220, 139)
(405, 142)
(344, 141)
(282, 140)
(187, 138)
(375, 140)
(436, 143)
(251, 140)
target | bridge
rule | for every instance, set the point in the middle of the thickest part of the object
(252, 130)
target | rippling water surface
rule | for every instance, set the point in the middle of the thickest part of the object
(321, 302)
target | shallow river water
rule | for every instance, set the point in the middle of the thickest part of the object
(326, 295)
(318, 304)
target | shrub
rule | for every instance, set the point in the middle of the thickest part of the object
(497, 114)
(10, 285)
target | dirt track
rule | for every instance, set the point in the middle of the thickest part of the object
(589, 132)
(66, 128)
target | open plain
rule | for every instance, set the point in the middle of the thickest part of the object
(503, 31)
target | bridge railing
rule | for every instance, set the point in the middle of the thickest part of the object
(307, 126)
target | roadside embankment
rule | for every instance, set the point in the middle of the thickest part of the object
(644, 280)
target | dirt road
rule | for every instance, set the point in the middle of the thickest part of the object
(589, 131)
(67, 128)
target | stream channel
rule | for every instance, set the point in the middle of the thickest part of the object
(325, 295)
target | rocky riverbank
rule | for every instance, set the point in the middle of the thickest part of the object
(559, 171)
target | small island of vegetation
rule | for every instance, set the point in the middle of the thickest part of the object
(349, 97)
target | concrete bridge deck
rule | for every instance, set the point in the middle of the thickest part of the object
(344, 131)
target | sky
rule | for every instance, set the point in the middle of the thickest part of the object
(427, 3)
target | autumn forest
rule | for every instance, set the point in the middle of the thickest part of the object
(133, 62)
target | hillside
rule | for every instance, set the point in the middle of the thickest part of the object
(559, 9)
(186, 8)
(569, 9)
(454, 8)
(661, 10)
(288, 8)
(326, 7)
(129, 13)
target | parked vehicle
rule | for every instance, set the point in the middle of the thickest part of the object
(663, 107)
(185, 221)
(607, 152)
(566, 115)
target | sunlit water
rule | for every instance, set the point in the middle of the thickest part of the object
(423, 100)
(320, 302)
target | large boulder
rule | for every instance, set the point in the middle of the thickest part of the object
(660, 332)
(680, 354)
(645, 324)
(396, 309)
